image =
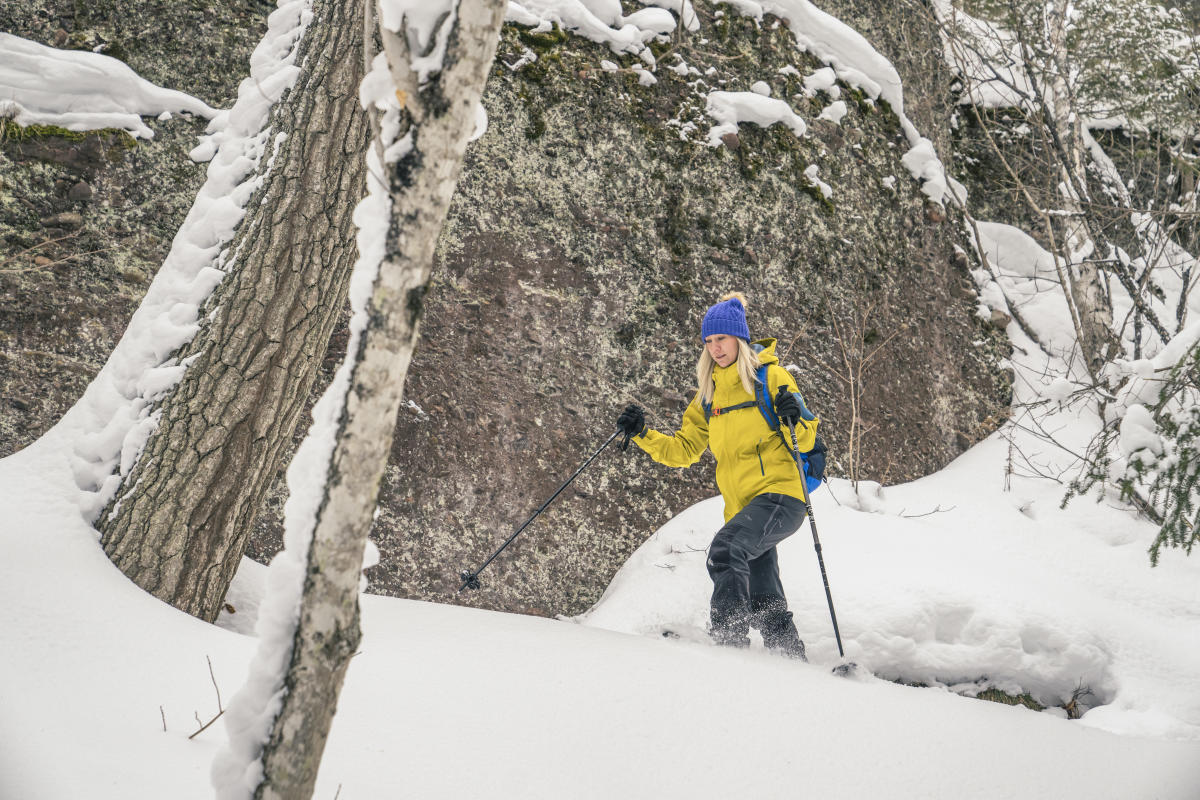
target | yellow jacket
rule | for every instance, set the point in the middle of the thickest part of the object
(751, 458)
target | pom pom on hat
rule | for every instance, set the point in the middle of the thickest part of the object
(727, 317)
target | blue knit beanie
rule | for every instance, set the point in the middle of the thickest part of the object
(728, 317)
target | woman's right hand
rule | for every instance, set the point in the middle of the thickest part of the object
(632, 420)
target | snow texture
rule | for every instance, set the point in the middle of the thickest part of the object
(970, 579)
(810, 172)
(81, 91)
(834, 112)
(1004, 589)
(729, 109)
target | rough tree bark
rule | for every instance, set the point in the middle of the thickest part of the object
(186, 509)
(438, 117)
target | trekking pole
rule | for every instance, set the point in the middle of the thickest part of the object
(795, 448)
(470, 580)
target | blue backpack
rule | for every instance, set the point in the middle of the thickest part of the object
(813, 460)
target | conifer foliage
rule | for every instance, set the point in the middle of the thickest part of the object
(1165, 460)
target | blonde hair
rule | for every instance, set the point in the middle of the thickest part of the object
(747, 362)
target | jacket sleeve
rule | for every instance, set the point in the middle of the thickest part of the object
(806, 429)
(685, 446)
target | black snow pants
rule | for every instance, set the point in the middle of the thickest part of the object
(744, 568)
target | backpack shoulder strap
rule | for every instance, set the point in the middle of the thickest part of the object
(762, 394)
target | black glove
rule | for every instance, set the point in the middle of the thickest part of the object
(632, 420)
(787, 406)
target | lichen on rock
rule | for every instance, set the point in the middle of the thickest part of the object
(592, 226)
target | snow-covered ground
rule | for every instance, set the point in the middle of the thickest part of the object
(446, 701)
(970, 579)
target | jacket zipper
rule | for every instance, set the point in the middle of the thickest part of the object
(762, 471)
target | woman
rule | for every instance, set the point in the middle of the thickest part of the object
(756, 474)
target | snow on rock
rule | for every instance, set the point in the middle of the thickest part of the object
(834, 112)
(652, 22)
(810, 172)
(680, 67)
(80, 90)
(595, 20)
(844, 49)
(853, 60)
(116, 407)
(682, 9)
(850, 57)
(923, 163)
(645, 76)
(761, 87)
(607, 11)
(823, 80)
(730, 109)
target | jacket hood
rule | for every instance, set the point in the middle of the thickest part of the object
(766, 350)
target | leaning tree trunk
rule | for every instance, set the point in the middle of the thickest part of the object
(183, 514)
(439, 115)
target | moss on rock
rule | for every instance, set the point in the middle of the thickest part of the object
(604, 237)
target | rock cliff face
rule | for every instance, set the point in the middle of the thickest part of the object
(591, 229)
(587, 239)
(87, 218)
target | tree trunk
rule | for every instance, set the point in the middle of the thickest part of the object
(1080, 247)
(179, 522)
(441, 116)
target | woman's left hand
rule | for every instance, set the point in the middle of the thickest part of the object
(787, 406)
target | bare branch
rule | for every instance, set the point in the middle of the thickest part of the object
(938, 510)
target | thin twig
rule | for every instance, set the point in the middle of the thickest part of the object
(206, 726)
(214, 683)
(220, 708)
(29, 250)
(938, 510)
